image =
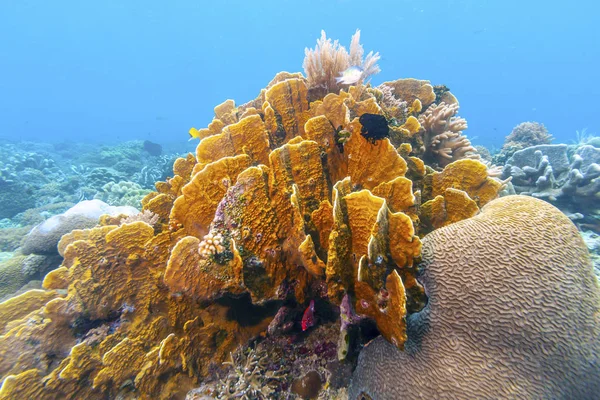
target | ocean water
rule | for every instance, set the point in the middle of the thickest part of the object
(111, 71)
(138, 263)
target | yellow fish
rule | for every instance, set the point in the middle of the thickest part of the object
(194, 133)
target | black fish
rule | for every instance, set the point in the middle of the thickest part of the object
(154, 149)
(374, 127)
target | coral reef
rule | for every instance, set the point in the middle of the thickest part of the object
(443, 134)
(11, 238)
(19, 273)
(280, 368)
(428, 123)
(526, 134)
(592, 241)
(19, 306)
(12, 277)
(35, 266)
(547, 172)
(34, 177)
(252, 376)
(582, 137)
(5, 255)
(14, 198)
(284, 203)
(512, 313)
(124, 193)
(457, 193)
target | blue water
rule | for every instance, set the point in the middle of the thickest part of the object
(119, 70)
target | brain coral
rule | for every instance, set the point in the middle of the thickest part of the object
(514, 312)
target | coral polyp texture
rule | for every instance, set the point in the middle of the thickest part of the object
(513, 313)
(284, 201)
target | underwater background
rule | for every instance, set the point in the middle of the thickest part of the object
(299, 200)
(113, 71)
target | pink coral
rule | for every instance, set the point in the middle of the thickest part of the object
(443, 134)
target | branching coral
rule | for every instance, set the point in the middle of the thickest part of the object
(546, 172)
(323, 64)
(526, 134)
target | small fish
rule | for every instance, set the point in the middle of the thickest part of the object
(194, 133)
(308, 319)
(350, 75)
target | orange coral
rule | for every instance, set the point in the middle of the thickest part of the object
(411, 89)
(158, 203)
(470, 176)
(387, 308)
(397, 192)
(321, 130)
(18, 307)
(188, 272)
(456, 193)
(412, 125)
(286, 110)
(248, 136)
(283, 195)
(195, 208)
(368, 237)
(369, 165)
(455, 205)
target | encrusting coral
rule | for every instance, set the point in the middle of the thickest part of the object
(11, 275)
(123, 193)
(512, 313)
(285, 200)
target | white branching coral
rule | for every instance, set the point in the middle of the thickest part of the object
(329, 59)
(211, 245)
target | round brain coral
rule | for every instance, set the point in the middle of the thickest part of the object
(513, 312)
